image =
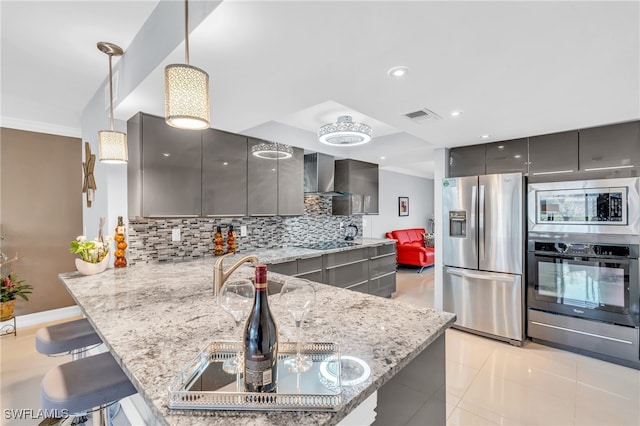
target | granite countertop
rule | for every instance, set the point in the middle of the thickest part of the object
(154, 318)
(291, 253)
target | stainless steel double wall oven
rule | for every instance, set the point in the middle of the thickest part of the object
(583, 279)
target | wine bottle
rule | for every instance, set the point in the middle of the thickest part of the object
(260, 341)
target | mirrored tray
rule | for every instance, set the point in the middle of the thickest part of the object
(203, 385)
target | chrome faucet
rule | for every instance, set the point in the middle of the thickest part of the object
(219, 276)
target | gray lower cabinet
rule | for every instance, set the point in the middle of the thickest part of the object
(168, 166)
(616, 145)
(467, 161)
(262, 179)
(291, 184)
(556, 153)
(224, 174)
(369, 270)
(382, 270)
(507, 157)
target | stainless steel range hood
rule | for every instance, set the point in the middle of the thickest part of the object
(319, 174)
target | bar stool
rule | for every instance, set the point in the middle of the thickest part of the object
(79, 386)
(73, 338)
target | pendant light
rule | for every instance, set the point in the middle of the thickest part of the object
(112, 145)
(186, 90)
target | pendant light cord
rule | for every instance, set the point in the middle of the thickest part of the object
(111, 93)
(186, 32)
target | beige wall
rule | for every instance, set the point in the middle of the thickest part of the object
(40, 211)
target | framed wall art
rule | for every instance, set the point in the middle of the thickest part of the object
(403, 206)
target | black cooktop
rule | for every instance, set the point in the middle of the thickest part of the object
(328, 245)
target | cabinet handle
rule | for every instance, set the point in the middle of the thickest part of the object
(357, 284)
(382, 255)
(261, 214)
(172, 215)
(315, 271)
(383, 275)
(347, 264)
(225, 215)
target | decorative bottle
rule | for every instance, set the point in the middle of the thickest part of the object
(231, 240)
(260, 342)
(121, 245)
(218, 242)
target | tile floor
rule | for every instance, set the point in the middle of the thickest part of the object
(488, 382)
(494, 383)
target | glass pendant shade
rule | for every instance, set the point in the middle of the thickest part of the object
(112, 147)
(344, 132)
(186, 97)
(272, 151)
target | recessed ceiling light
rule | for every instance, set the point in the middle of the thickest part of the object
(225, 164)
(166, 154)
(456, 113)
(500, 146)
(398, 71)
(383, 158)
(517, 156)
(485, 136)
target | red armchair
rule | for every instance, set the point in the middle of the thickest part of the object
(410, 248)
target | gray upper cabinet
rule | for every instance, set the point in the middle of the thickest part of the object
(555, 153)
(359, 181)
(507, 157)
(262, 180)
(610, 146)
(169, 166)
(224, 173)
(291, 184)
(467, 161)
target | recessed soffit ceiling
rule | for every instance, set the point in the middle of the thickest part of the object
(515, 68)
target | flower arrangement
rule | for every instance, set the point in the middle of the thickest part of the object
(91, 251)
(11, 287)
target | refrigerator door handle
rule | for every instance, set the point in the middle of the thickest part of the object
(484, 276)
(481, 233)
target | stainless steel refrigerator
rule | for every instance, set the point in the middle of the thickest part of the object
(483, 254)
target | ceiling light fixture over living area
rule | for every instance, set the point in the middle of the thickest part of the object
(344, 132)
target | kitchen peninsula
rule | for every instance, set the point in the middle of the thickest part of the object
(154, 318)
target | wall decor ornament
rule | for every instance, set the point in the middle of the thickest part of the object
(89, 184)
(403, 206)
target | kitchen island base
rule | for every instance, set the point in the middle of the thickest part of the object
(417, 394)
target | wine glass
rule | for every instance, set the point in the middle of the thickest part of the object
(236, 298)
(297, 297)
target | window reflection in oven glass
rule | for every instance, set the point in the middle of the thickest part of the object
(585, 286)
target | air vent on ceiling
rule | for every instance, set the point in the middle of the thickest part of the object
(421, 115)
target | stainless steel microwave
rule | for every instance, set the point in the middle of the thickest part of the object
(604, 206)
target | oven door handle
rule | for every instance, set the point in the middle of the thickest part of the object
(482, 276)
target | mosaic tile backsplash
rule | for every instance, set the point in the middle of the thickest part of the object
(150, 239)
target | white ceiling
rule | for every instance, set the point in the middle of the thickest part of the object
(279, 70)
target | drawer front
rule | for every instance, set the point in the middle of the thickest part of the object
(382, 250)
(382, 264)
(347, 256)
(347, 275)
(312, 276)
(309, 264)
(286, 268)
(383, 286)
(362, 288)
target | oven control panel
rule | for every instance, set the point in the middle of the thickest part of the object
(582, 249)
